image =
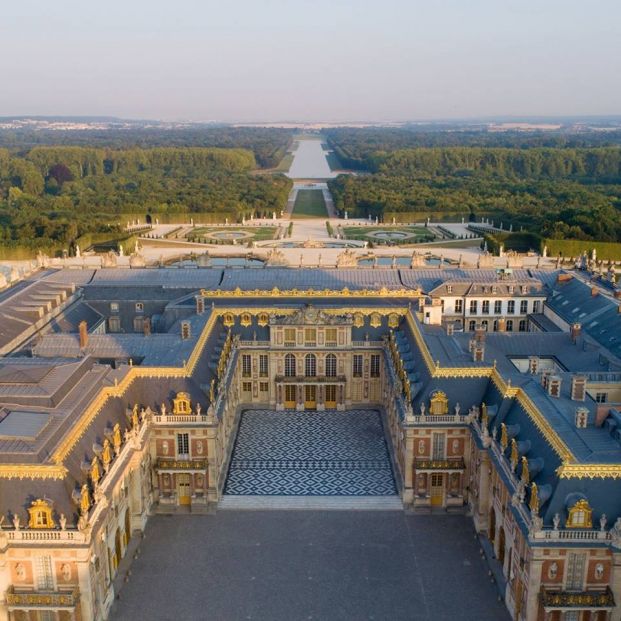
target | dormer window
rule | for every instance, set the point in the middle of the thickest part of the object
(580, 515)
(449, 288)
(40, 514)
(139, 307)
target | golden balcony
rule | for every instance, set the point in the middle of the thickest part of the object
(181, 465)
(52, 600)
(450, 463)
(577, 599)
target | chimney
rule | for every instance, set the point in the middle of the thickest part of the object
(200, 304)
(83, 328)
(146, 326)
(185, 330)
(450, 328)
(554, 386)
(563, 277)
(575, 332)
(479, 335)
(533, 364)
(582, 418)
(502, 324)
(594, 292)
(478, 352)
(545, 378)
(578, 388)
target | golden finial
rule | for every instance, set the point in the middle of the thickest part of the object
(504, 438)
(95, 471)
(534, 499)
(106, 453)
(85, 500)
(212, 391)
(514, 454)
(484, 419)
(117, 439)
(525, 473)
(135, 417)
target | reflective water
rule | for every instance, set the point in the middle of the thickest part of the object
(228, 234)
(222, 262)
(309, 161)
(391, 235)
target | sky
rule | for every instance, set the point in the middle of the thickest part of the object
(310, 60)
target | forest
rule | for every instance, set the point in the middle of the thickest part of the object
(561, 192)
(52, 195)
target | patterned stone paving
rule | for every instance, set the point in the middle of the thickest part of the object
(310, 454)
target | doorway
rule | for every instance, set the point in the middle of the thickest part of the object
(183, 489)
(330, 397)
(290, 396)
(437, 490)
(310, 397)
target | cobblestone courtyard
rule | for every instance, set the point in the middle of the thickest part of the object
(292, 565)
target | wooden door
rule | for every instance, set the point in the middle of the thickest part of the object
(330, 396)
(310, 397)
(183, 489)
(290, 396)
(437, 490)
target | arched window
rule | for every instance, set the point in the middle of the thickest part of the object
(310, 365)
(509, 325)
(331, 365)
(472, 326)
(289, 365)
(522, 326)
(484, 325)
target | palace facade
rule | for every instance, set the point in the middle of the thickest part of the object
(127, 401)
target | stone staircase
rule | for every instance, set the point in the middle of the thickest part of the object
(317, 503)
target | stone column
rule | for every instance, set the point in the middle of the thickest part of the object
(320, 398)
(300, 394)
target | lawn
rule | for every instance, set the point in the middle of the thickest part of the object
(259, 233)
(365, 233)
(310, 204)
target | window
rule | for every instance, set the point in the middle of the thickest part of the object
(331, 365)
(536, 306)
(330, 337)
(498, 307)
(523, 307)
(485, 309)
(310, 337)
(523, 325)
(139, 307)
(289, 337)
(45, 579)
(138, 324)
(247, 387)
(310, 365)
(511, 307)
(473, 307)
(601, 397)
(459, 306)
(375, 365)
(246, 365)
(183, 444)
(484, 325)
(357, 371)
(472, 325)
(264, 386)
(114, 307)
(438, 445)
(449, 288)
(509, 325)
(495, 328)
(263, 365)
(114, 324)
(289, 365)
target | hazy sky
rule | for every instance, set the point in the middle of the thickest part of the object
(310, 59)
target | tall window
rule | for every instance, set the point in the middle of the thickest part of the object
(289, 337)
(472, 326)
(263, 365)
(310, 365)
(485, 309)
(310, 337)
(509, 326)
(183, 445)
(536, 306)
(523, 307)
(511, 307)
(473, 307)
(45, 578)
(330, 337)
(438, 445)
(246, 365)
(331, 365)
(522, 326)
(289, 365)
(375, 365)
(459, 305)
(357, 370)
(498, 307)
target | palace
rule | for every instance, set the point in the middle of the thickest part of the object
(122, 393)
